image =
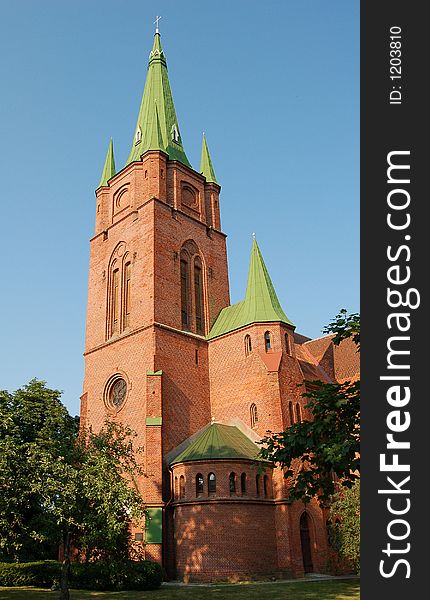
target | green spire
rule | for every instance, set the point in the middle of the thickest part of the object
(157, 91)
(206, 167)
(261, 304)
(109, 168)
(261, 298)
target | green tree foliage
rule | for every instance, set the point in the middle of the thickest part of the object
(345, 326)
(92, 497)
(60, 488)
(345, 528)
(320, 454)
(32, 420)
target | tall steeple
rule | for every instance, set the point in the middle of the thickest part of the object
(261, 304)
(261, 299)
(206, 167)
(109, 168)
(157, 91)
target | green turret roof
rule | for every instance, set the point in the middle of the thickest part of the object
(261, 304)
(219, 441)
(109, 168)
(157, 91)
(206, 167)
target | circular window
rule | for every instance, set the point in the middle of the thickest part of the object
(116, 393)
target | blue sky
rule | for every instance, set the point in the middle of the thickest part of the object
(275, 86)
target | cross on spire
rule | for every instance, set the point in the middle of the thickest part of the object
(157, 18)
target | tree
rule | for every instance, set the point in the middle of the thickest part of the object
(345, 527)
(321, 454)
(92, 496)
(58, 487)
(32, 420)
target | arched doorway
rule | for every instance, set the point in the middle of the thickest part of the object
(305, 539)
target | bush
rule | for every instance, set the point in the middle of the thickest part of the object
(116, 576)
(38, 574)
(100, 575)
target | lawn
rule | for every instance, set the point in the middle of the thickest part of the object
(315, 590)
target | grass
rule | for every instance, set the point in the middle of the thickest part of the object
(314, 590)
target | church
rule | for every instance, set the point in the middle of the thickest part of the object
(201, 381)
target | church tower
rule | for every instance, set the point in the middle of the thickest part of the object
(200, 381)
(157, 281)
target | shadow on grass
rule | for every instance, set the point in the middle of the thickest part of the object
(318, 590)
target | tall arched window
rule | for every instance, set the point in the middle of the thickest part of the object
(185, 294)
(298, 413)
(248, 345)
(243, 484)
(266, 486)
(115, 302)
(232, 484)
(253, 415)
(192, 289)
(199, 484)
(267, 341)
(176, 488)
(198, 295)
(181, 486)
(290, 410)
(257, 483)
(211, 483)
(127, 294)
(118, 291)
(287, 344)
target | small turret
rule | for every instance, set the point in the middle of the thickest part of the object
(109, 168)
(206, 166)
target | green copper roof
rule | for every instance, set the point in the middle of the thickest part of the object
(261, 304)
(206, 167)
(219, 441)
(109, 168)
(157, 92)
(155, 137)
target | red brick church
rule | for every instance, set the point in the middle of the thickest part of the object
(199, 380)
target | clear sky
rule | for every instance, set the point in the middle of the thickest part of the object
(275, 86)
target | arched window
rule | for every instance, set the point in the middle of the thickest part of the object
(181, 486)
(298, 413)
(248, 345)
(243, 484)
(185, 294)
(287, 344)
(199, 484)
(266, 486)
(175, 133)
(138, 136)
(211, 483)
(176, 488)
(257, 484)
(267, 341)
(253, 415)
(232, 484)
(198, 295)
(127, 294)
(290, 410)
(115, 302)
(192, 289)
(118, 291)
